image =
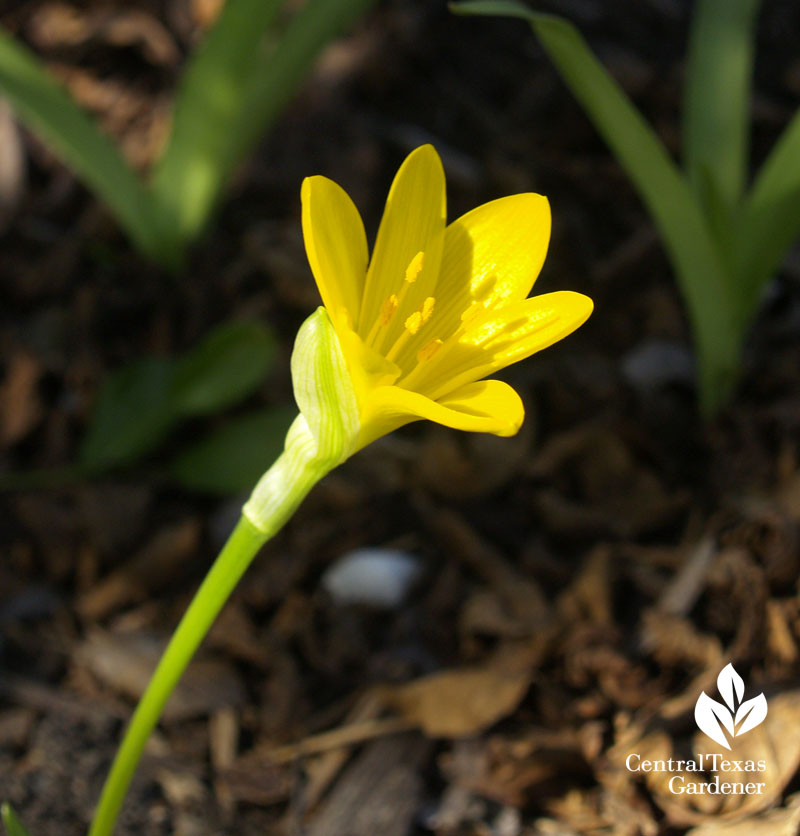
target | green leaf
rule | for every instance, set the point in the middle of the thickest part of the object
(225, 368)
(770, 220)
(703, 279)
(142, 402)
(281, 70)
(11, 822)
(133, 414)
(50, 112)
(717, 97)
(210, 99)
(231, 459)
(231, 90)
(231, 93)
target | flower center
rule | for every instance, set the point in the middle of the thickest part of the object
(413, 322)
(411, 327)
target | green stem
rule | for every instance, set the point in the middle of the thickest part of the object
(234, 558)
(274, 500)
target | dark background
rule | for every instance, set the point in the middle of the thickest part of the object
(619, 549)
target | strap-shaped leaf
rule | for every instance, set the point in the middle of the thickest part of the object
(50, 112)
(225, 367)
(718, 77)
(281, 71)
(704, 281)
(231, 92)
(133, 414)
(11, 821)
(770, 220)
(231, 458)
(210, 99)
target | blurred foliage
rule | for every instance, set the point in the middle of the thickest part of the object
(141, 404)
(233, 87)
(11, 822)
(724, 243)
(232, 459)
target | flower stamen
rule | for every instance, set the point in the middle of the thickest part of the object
(395, 301)
(427, 352)
(412, 272)
(414, 322)
(388, 310)
(411, 327)
(415, 267)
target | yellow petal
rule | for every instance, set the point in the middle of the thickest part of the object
(488, 406)
(492, 256)
(498, 338)
(336, 246)
(413, 222)
(368, 369)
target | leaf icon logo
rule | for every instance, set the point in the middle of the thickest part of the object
(735, 716)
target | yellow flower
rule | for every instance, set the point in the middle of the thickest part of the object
(437, 308)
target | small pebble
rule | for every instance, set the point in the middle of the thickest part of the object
(378, 578)
(656, 363)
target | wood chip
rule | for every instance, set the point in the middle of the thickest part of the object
(464, 701)
(12, 162)
(15, 726)
(152, 567)
(687, 585)
(20, 407)
(223, 742)
(521, 594)
(125, 664)
(784, 821)
(379, 793)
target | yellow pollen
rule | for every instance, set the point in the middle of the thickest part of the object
(427, 309)
(388, 310)
(415, 267)
(414, 322)
(426, 353)
(412, 326)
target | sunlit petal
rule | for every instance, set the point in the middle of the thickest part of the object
(440, 308)
(488, 406)
(501, 337)
(492, 256)
(368, 368)
(336, 246)
(413, 222)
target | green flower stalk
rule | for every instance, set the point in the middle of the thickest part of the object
(409, 336)
(320, 438)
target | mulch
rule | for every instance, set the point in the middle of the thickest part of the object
(578, 586)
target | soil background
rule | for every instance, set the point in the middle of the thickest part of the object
(579, 585)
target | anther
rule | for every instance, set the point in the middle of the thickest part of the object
(415, 267)
(426, 353)
(427, 309)
(388, 310)
(391, 305)
(414, 322)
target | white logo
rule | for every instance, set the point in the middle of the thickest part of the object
(715, 719)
